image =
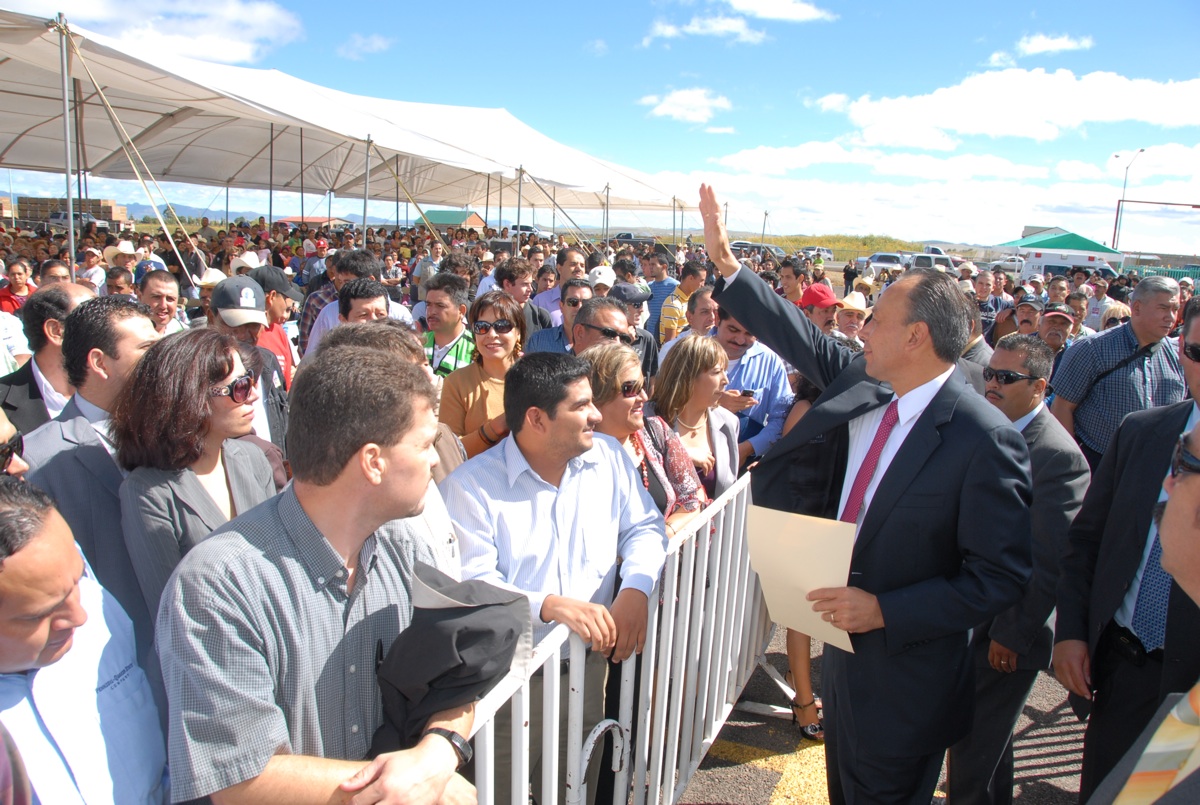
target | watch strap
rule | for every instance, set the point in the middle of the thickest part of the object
(461, 747)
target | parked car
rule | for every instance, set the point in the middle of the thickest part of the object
(1014, 263)
(529, 229)
(58, 220)
(812, 252)
(630, 239)
(745, 247)
(930, 261)
(887, 260)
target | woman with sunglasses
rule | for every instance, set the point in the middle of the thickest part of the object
(666, 469)
(686, 392)
(1114, 315)
(473, 397)
(175, 426)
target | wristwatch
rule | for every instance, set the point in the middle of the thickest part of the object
(461, 747)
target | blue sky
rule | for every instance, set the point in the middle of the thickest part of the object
(957, 121)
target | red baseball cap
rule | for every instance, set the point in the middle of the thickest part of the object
(321, 244)
(819, 295)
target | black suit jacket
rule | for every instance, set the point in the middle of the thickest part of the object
(1060, 480)
(1108, 538)
(21, 399)
(944, 544)
(274, 393)
(536, 318)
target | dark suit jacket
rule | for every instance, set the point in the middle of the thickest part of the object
(274, 393)
(979, 353)
(536, 318)
(165, 514)
(1108, 538)
(22, 401)
(944, 545)
(1060, 479)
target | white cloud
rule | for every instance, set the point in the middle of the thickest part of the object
(787, 10)
(1000, 59)
(1031, 104)
(834, 102)
(358, 46)
(734, 27)
(182, 28)
(720, 130)
(1074, 170)
(696, 105)
(1040, 43)
(770, 161)
(597, 47)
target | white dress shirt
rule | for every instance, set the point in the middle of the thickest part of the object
(862, 432)
(519, 532)
(54, 401)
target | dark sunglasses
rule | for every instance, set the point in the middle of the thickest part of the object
(1003, 376)
(13, 447)
(574, 301)
(631, 388)
(1192, 351)
(501, 326)
(612, 335)
(1116, 322)
(1182, 462)
(238, 391)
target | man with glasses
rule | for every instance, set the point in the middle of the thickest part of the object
(1130, 368)
(600, 319)
(1125, 637)
(12, 450)
(572, 294)
(1010, 650)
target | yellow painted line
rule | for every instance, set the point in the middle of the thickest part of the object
(801, 771)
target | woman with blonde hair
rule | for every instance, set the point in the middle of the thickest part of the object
(686, 391)
(1114, 315)
(618, 391)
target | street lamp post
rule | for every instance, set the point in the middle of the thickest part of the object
(1124, 185)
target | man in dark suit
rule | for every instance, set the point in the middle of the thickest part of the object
(937, 483)
(1126, 635)
(37, 391)
(1011, 650)
(1177, 518)
(72, 456)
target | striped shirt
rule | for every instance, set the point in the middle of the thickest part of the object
(458, 354)
(673, 314)
(265, 651)
(659, 291)
(1149, 382)
(518, 532)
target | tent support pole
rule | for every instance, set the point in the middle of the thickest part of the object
(76, 88)
(606, 191)
(554, 209)
(487, 204)
(674, 240)
(366, 190)
(329, 207)
(575, 230)
(271, 179)
(62, 49)
(12, 205)
(500, 210)
(227, 206)
(301, 175)
(397, 192)
(407, 195)
(517, 234)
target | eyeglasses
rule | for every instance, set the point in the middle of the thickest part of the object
(238, 391)
(631, 388)
(501, 326)
(573, 301)
(610, 334)
(1116, 322)
(1182, 462)
(1003, 376)
(13, 447)
(1192, 351)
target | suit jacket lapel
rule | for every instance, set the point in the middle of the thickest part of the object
(188, 489)
(1147, 479)
(918, 446)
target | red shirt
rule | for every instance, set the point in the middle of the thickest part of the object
(10, 302)
(275, 339)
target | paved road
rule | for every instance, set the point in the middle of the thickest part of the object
(762, 760)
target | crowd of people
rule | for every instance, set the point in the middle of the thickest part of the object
(230, 451)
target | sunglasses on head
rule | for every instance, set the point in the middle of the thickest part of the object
(238, 391)
(13, 447)
(610, 334)
(1003, 376)
(1183, 462)
(501, 326)
(1192, 351)
(631, 388)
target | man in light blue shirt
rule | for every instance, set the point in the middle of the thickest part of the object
(72, 696)
(758, 393)
(547, 512)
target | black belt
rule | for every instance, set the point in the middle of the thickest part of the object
(1128, 647)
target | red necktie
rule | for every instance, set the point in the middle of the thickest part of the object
(863, 479)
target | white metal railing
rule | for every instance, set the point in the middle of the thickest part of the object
(708, 627)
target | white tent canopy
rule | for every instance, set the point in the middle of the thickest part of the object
(209, 124)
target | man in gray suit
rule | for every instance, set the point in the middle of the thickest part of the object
(72, 455)
(1011, 649)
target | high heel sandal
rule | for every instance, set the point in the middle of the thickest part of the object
(813, 732)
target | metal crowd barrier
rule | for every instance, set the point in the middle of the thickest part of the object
(708, 627)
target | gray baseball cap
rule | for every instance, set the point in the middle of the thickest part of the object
(238, 301)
